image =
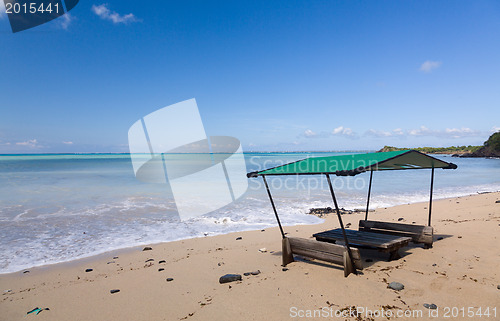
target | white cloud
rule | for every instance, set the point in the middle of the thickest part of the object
(32, 143)
(65, 20)
(104, 13)
(429, 65)
(309, 133)
(343, 131)
(422, 131)
(68, 143)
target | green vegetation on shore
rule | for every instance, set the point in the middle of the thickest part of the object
(490, 148)
(437, 150)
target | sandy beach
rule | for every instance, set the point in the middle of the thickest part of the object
(459, 275)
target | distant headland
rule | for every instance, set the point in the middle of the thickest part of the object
(490, 148)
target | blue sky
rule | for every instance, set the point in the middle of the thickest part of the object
(278, 75)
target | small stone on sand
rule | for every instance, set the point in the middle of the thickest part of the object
(26, 271)
(247, 273)
(255, 272)
(239, 238)
(284, 269)
(162, 261)
(396, 286)
(229, 278)
(89, 270)
(263, 250)
(170, 279)
(431, 306)
(147, 248)
(400, 219)
(161, 269)
(114, 291)
(149, 260)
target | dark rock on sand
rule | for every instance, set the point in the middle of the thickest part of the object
(255, 272)
(497, 201)
(149, 260)
(247, 273)
(147, 248)
(26, 271)
(498, 286)
(162, 261)
(114, 291)
(115, 257)
(229, 278)
(89, 270)
(239, 238)
(400, 219)
(284, 269)
(110, 262)
(161, 269)
(170, 279)
(431, 306)
(396, 286)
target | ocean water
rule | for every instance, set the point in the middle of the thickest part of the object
(56, 208)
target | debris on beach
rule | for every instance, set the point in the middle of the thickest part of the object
(149, 260)
(89, 270)
(170, 279)
(229, 278)
(37, 310)
(161, 269)
(147, 248)
(239, 238)
(263, 250)
(323, 211)
(162, 261)
(114, 291)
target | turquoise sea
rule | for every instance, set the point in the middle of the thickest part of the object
(56, 208)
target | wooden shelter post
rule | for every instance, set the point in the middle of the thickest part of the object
(430, 198)
(274, 207)
(341, 223)
(369, 193)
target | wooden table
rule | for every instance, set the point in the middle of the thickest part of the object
(383, 242)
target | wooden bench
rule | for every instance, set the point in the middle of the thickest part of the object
(324, 251)
(418, 233)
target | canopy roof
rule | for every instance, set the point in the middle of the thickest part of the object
(350, 165)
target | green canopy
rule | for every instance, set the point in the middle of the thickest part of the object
(350, 165)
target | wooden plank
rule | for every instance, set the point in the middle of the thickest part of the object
(418, 233)
(287, 254)
(323, 251)
(363, 238)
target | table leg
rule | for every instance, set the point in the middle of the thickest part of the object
(394, 255)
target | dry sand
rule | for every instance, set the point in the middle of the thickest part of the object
(461, 271)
